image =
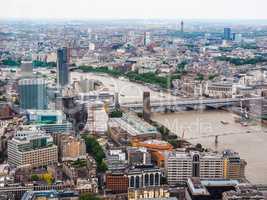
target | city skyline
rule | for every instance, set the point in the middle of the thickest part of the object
(119, 9)
(130, 100)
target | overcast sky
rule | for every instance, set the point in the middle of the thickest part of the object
(123, 9)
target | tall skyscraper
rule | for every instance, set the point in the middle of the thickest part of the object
(33, 93)
(62, 67)
(227, 34)
(147, 39)
(182, 26)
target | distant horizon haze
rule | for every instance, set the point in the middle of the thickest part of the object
(134, 9)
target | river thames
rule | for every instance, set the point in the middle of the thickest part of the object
(201, 126)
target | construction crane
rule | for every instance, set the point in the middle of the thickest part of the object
(225, 134)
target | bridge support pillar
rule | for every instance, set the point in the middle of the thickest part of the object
(146, 106)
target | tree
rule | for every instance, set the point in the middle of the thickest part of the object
(212, 76)
(35, 177)
(116, 113)
(163, 180)
(16, 101)
(48, 178)
(199, 77)
(199, 147)
(88, 196)
(94, 149)
(103, 166)
(2, 155)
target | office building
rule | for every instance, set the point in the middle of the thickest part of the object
(33, 93)
(71, 148)
(227, 34)
(243, 191)
(156, 148)
(97, 118)
(62, 67)
(129, 128)
(138, 156)
(45, 116)
(234, 166)
(219, 89)
(196, 190)
(55, 128)
(32, 147)
(134, 177)
(181, 165)
(50, 194)
(116, 159)
(117, 182)
(50, 121)
(92, 96)
(144, 176)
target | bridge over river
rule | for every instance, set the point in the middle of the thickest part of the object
(177, 105)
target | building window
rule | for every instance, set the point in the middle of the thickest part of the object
(151, 179)
(157, 179)
(196, 166)
(146, 179)
(132, 181)
(137, 181)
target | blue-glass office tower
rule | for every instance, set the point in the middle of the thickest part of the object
(227, 34)
(62, 67)
(33, 93)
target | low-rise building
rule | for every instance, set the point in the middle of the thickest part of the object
(144, 176)
(156, 192)
(117, 182)
(130, 128)
(51, 121)
(243, 191)
(50, 194)
(116, 159)
(138, 156)
(157, 148)
(71, 148)
(219, 89)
